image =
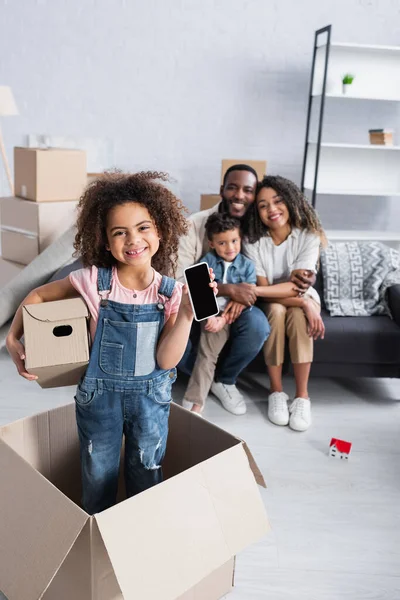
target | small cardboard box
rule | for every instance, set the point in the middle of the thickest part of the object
(209, 200)
(27, 228)
(260, 166)
(175, 541)
(381, 137)
(8, 270)
(56, 341)
(49, 175)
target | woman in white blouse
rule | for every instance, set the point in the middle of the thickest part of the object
(284, 242)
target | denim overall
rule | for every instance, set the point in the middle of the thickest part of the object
(123, 392)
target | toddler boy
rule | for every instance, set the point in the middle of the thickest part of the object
(229, 266)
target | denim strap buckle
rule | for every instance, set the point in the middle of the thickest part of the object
(104, 297)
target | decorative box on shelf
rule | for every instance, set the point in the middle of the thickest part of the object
(381, 137)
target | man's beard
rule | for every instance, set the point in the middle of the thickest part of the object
(244, 220)
(225, 207)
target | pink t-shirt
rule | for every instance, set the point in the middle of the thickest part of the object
(85, 282)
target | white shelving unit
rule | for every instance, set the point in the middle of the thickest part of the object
(352, 169)
(376, 69)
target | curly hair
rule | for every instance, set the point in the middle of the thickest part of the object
(301, 214)
(219, 223)
(116, 188)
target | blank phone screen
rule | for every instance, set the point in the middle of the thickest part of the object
(203, 297)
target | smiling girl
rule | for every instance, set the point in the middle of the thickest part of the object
(128, 232)
(285, 238)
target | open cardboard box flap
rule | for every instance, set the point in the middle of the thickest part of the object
(38, 527)
(158, 528)
(188, 428)
(60, 310)
(258, 476)
(147, 547)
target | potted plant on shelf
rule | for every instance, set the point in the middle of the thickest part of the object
(347, 81)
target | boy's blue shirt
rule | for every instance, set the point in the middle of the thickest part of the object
(242, 270)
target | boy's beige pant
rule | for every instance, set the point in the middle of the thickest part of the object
(290, 323)
(202, 376)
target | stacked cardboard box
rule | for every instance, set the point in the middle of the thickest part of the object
(48, 184)
(381, 137)
(260, 167)
(209, 200)
(48, 175)
(27, 227)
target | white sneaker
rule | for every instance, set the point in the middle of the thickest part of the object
(230, 397)
(300, 414)
(278, 412)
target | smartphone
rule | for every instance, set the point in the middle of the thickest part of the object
(201, 295)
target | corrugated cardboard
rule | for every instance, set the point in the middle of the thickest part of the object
(215, 586)
(148, 547)
(46, 175)
(56, 341)
(260, 166)
(8, 270)
(19, 247)
(209, 200)
(27, 228)
(93, 177)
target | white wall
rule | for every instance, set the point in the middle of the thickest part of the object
(177, 85)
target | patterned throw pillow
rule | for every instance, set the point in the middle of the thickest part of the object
(356, 276)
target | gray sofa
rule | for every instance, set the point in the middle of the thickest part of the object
(353, 346)
(360, 346)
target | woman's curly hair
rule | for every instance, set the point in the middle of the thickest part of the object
(115, 188)
(301, 213)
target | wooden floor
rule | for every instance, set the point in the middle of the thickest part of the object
(335, 525)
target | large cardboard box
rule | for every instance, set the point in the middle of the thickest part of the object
(149, 547)
(209, 200)
(8, 270)
(260, 166)
(46, 175)
(56, 341)
(27, 228)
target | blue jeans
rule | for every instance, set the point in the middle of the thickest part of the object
(247, 336)
(123, 392)
(105, 411)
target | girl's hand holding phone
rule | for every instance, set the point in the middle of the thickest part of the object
(186, 306)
